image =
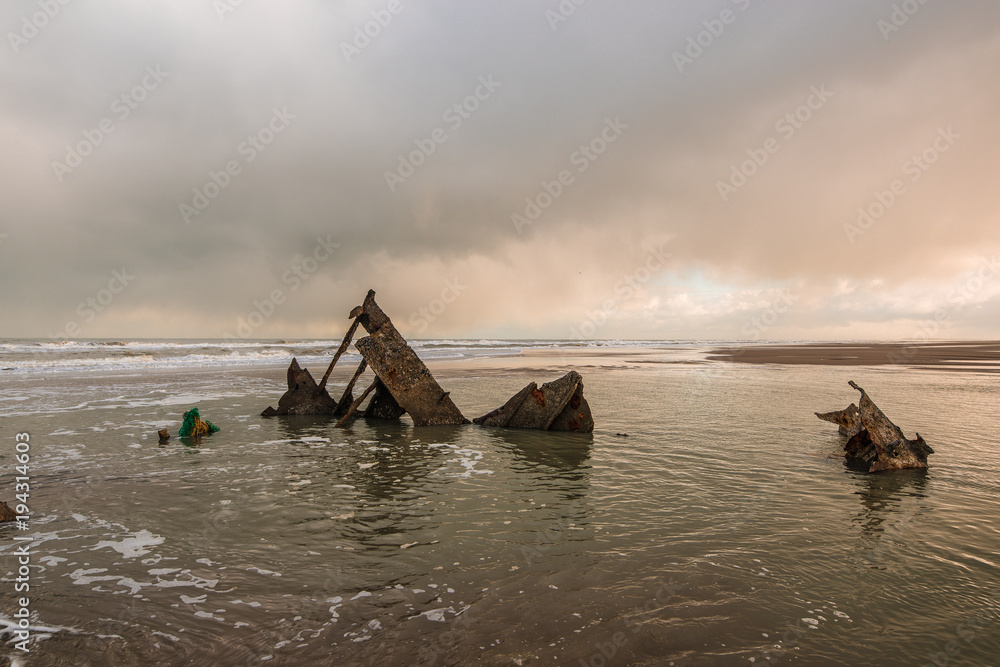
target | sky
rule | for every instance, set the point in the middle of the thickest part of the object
(729, 170)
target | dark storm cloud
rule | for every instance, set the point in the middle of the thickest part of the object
(412, 136)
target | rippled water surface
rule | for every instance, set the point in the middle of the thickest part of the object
(722, 530)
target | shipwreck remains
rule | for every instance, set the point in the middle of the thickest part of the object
(304, 397)
(848, 419)
(556, 406)
(399, 371)
(403, 384)
(874, 441)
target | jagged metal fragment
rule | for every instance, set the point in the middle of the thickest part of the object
(303, 396)
(849, 419)
(556, 406)
(877, 443)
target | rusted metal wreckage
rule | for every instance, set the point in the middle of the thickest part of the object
(557, 406)
(403, 384)
(874, 441)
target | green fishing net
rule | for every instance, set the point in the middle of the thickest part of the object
(195, 426)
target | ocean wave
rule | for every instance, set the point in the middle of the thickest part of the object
(131, 360)
(36, 355)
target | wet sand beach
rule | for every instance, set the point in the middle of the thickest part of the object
(724, 528)
(967, 356)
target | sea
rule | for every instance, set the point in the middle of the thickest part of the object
(709, 519)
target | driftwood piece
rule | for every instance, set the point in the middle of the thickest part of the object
(303, 396)
(878, 444)
(556, 406)
(405, 376)
(6, 513)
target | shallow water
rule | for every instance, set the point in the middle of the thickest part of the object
(721, 531)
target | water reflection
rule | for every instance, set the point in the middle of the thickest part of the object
(400, 495)
(405, 456)
(296, 427)
(550, 472)
(378, 482)
(563, 451)
(882, 495)
(886, 518)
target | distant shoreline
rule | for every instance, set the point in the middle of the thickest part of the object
(496, 358)
(966, 356)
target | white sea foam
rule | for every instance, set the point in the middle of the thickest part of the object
(9, 625)
(133, 546)
(205, 614)
(40, 356)
(436, 615)
(263, 571)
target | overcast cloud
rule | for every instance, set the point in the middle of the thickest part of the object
(195, 168)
